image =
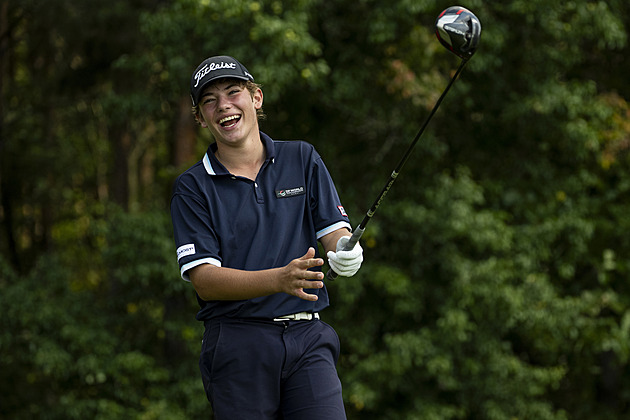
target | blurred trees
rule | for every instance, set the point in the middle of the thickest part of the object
(495, 281)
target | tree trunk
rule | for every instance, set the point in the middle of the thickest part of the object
(120, 176)
(185, 136)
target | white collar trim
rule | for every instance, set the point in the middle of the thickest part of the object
(208, 165)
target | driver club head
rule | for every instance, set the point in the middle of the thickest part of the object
(459, 30)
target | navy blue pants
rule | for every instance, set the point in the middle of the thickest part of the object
(271, 370)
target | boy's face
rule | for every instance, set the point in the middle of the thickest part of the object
(228, 110)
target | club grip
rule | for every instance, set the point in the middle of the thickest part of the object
(356, 235)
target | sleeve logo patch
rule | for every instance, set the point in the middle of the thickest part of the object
(290, 192)
(342, 211)
(185, 250)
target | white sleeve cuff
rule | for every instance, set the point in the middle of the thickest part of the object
(193, 264)
(332, 228)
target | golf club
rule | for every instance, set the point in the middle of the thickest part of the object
(459, 30)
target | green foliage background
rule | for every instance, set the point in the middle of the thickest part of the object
(495, 282)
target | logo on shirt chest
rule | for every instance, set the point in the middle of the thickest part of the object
(290, 192)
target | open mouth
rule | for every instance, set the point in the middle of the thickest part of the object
(229, 121)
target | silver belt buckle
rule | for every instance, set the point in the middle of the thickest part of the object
(300, 316)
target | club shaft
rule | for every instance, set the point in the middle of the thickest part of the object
(358, 232)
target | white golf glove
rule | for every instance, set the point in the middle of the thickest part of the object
(345, 263)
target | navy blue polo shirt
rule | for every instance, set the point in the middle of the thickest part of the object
(232, 221)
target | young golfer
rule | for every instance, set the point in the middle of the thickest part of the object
(247, 219)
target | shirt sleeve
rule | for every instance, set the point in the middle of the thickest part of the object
(195, 238)
(328, 212)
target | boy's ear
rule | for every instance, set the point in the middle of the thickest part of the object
(258, 98)
(200, 120)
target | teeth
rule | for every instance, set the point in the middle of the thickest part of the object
(230, 118)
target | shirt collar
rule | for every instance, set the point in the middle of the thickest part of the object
(214, 167)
